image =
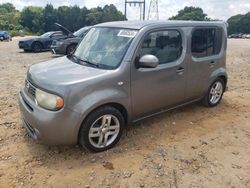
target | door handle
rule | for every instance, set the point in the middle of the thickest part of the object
(212, 63)
(180, 70)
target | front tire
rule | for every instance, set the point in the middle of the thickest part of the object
(70, 49)
(102, 129)
(215, 93)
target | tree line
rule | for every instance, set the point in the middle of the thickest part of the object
(236, 24)
(38, 19)
(239, 24)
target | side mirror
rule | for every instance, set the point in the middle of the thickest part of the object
(148, 61)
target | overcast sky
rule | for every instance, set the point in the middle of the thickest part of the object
(217, 9)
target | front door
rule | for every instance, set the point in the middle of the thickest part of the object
(154, 89)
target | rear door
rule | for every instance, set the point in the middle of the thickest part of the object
(154, 89)
(205, 48)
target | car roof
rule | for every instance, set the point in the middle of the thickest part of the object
(84, 28)
(141, 24)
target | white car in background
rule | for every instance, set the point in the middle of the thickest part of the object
(246, 36)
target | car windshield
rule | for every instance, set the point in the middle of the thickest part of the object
(80, 32)
(46, 34)
(105, 47)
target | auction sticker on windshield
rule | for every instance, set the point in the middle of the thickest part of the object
(127, 33)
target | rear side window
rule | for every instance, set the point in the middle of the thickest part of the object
(206, 42)
(165, 45)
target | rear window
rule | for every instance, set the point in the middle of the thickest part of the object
(206, 42)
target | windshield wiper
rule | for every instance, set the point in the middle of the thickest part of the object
(81, 61)
(88, 62)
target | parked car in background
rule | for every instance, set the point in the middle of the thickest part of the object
(235, 36)
(246, 36)
(120, 73)
(68, 45)
(43, 42)
(40, 43)
(4, 36)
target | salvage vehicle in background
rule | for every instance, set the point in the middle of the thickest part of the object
(246, 36)
(43, 42)
(40, 43)
(120, 73)
(68, 45)
(4, 36)
(235, 36)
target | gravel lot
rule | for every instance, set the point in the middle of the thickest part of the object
(190, 147)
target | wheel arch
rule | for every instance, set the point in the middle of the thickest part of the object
(38, 42)
(224, 78)
(115, 105)
(218, 73)
(71, 44)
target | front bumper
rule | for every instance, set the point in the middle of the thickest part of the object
(24, 46)
(49, 127)
(58, 50)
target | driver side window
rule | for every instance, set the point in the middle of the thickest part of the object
(165, 45)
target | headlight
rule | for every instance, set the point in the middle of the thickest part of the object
(59, 43)
(48, 100)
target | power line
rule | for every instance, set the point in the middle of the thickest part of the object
(153, 12)
(141, 4)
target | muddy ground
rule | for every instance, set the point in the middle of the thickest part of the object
(190, 147)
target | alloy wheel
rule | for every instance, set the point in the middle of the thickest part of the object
(216, 92)
(104, 131)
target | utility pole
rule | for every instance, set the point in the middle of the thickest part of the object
(142, 6)
(153, 12)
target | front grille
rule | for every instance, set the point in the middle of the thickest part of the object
(31, 89)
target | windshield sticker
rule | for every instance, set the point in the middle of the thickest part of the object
(127, 33)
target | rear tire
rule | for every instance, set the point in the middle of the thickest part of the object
(37, 47)
(215, 93)
(102, 129)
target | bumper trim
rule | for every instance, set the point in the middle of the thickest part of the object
(49, 127)
(53, 51)
(31, 131)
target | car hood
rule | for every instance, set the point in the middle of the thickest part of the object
(61, 72)
(64, 30)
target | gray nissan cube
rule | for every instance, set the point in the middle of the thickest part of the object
(120, 73)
